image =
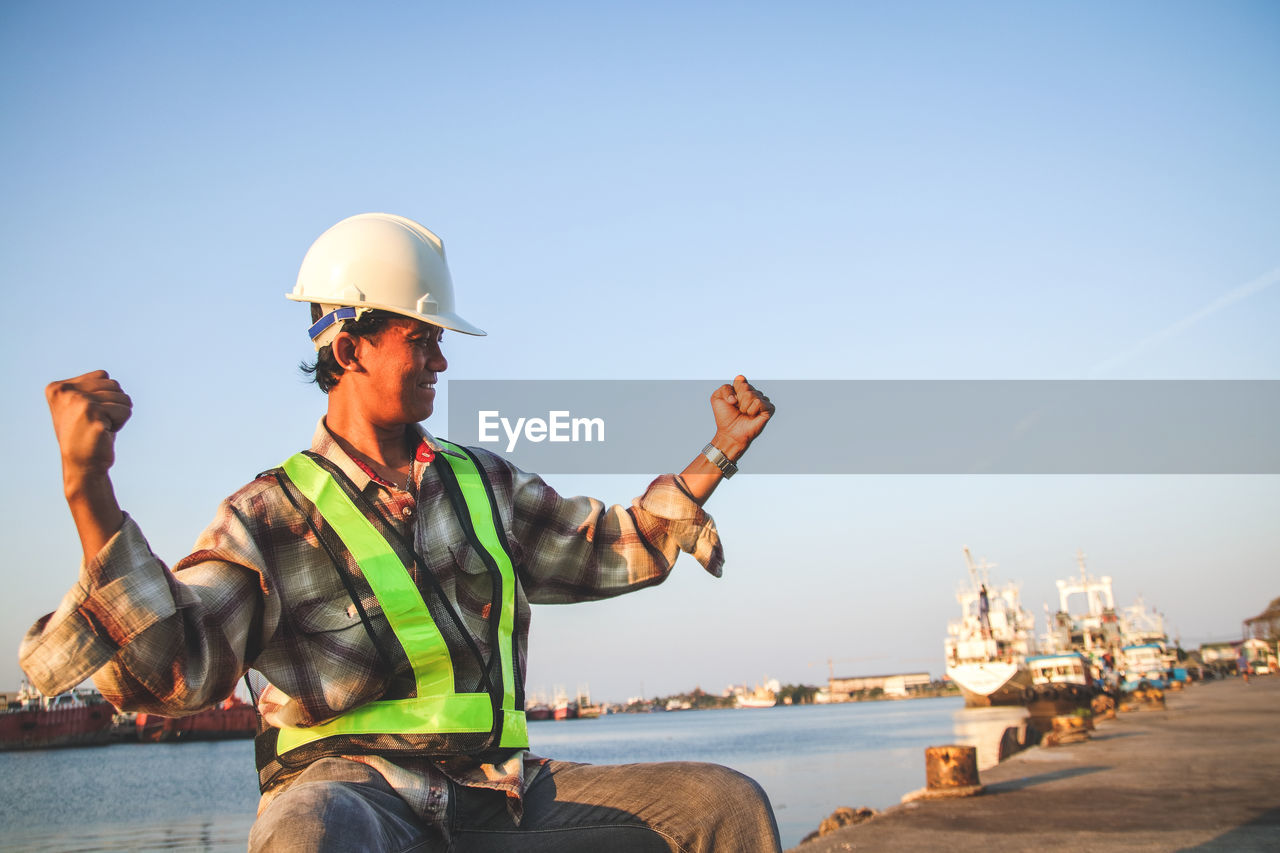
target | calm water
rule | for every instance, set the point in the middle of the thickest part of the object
(202, 796)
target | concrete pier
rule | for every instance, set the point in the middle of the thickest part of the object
(1202, 774)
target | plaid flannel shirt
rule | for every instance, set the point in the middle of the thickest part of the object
(258, 593)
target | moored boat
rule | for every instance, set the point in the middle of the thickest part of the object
(987, 647)
(587, 710)
(538, 711)
(990, 682)
(761, 697)
(35, 721)
(1124, 647)
(1143, 664)
(1063, 680)
(538, 707)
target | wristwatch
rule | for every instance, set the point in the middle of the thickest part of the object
(726, 465)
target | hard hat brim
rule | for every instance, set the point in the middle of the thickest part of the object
(446, 320)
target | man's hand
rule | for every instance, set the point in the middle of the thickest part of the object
(87, 412)
(741, 413)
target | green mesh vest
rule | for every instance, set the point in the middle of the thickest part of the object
(436, 720)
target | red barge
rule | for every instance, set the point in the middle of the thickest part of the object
(34, 721)
(232, 718)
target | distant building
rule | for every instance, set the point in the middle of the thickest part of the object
(1260, 654)
(900, 684)
(1266, 625)
(1220, 653)
(1226, 656)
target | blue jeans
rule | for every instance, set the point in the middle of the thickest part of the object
(686, 807)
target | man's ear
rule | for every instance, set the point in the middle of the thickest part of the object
(346, 352)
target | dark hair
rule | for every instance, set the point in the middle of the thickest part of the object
(326, 371)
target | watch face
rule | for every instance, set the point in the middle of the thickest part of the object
(726, 465)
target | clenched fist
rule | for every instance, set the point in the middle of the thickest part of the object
(741, 413)
(87, 413)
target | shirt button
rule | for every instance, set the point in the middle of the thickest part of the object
(407, 511)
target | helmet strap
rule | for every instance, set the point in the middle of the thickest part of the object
(324, 330)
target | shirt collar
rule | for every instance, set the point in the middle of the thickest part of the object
(323, 443)
(431, 442)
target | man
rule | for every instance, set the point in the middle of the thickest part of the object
(378, 587)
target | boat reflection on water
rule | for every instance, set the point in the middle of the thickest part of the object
(997, 731)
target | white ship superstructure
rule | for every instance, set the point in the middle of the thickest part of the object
(1099, 627)
(1093, 630)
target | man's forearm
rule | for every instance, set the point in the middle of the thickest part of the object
(94, 509)
(701, 476)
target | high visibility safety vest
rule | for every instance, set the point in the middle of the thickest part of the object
(437, 718)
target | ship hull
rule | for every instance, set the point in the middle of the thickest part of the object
(235, 720)
(984, 684)
(45, 728)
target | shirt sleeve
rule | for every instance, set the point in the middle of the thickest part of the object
(577, 549)
(154, 640)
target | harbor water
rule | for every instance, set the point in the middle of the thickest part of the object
(202, 796)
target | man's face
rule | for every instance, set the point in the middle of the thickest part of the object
(402, 361)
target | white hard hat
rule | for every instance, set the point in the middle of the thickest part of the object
(377, 260)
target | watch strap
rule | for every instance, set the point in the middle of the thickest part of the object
(726, 465)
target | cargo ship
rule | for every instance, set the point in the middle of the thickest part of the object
(32, 720)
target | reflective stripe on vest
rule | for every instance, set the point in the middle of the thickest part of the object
(436, 709)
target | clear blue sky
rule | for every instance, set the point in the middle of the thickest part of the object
(798, 191)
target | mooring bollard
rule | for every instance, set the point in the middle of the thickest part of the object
(949, 771)
(950, 767)
(1068, 728)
